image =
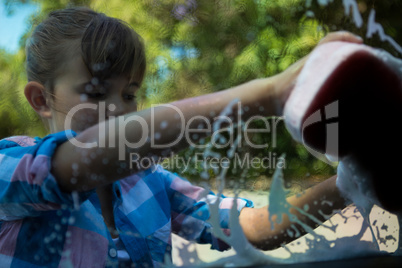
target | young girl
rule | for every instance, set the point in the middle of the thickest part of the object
(79, 202)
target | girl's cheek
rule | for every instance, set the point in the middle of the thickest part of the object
(82, 120)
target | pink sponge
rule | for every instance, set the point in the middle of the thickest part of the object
(347, 101)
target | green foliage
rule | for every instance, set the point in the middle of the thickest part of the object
(16, 117)
(387, 13)
(195, 47)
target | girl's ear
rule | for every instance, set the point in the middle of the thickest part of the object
(35, 94)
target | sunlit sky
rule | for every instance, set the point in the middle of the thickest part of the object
(13, 26)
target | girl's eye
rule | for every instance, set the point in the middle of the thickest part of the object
(96, 95)
(95, 92)
(129, 96)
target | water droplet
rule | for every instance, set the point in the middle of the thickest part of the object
(111, 107)
(112, 252)
(164, 124)
(71, 220)
(310, 14)
(83, 98)
(204, 175)
(95, 81)
(68, 234)
(88, 89)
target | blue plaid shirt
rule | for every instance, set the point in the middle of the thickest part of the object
(42, 226)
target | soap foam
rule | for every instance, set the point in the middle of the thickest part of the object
(354, 182)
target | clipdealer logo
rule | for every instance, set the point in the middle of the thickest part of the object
(330, 116)
(112, 132)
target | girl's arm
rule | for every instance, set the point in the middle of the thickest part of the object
(104, 163)
(321, 199)
(163, 125)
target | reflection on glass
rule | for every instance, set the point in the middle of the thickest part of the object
(193, 48)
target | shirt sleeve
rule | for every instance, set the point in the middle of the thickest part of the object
(190, 211)
(27, 187)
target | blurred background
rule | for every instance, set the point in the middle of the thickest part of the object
(195, 47)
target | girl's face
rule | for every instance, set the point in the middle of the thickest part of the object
(81, 101)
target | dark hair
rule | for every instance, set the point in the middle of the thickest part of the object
(108, 45)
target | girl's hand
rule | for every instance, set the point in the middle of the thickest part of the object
(284, 82)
